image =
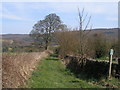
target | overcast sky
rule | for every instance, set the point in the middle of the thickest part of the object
(19, 17)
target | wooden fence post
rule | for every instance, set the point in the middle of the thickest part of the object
(110, 62)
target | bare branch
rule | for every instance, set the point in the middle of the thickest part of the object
(87, 23)
(84, 18)
(82, 12)
(80, 19)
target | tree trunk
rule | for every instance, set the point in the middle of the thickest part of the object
(46, 47)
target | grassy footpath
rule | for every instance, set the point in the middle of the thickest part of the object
(52, 74)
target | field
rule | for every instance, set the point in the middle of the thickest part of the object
(17, 67)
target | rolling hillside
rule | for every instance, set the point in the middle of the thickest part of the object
(19, 39)
(25, 39)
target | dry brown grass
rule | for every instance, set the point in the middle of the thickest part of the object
(18, 67)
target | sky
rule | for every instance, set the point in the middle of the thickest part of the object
(20, 17)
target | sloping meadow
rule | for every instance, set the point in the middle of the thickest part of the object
(17, 67)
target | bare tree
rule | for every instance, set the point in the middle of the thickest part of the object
(83, 26)
(75, 42)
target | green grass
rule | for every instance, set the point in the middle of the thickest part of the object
(102, 59)
(50, 73)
